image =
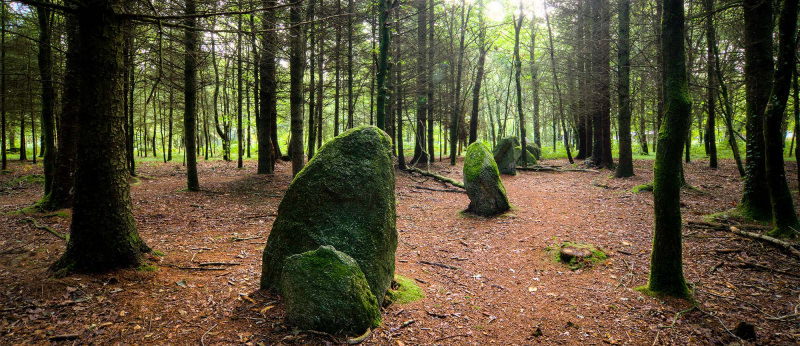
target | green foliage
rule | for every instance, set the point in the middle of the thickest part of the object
(30, 179)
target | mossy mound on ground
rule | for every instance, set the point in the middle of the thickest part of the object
(643, 187)
(505, 156)
(403, 291)
(325, 290)
(344, 197)
(530, 159)
(487, 195)
(577, 255)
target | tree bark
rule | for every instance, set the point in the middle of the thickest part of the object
(190, 96)
(4, 158)
(383, 61)
(48, 100)
(312, 92)
(297, 49)
(666, 266)
(476, 90)
(268, 90)
(103, 232)
(239, 93)
(421, 153)
(758, 67)
(518, 80)
(784, 217)
(711, 92)
(455, 118)
(558, 90)
(61, 196)
(625, 166)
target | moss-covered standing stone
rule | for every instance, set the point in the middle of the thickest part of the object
(344, 197)
(531, 159)
(325, 290)
(487, 195)
(505, 156)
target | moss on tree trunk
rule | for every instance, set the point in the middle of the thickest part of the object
(666, 267)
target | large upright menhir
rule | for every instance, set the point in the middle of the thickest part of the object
(344, 197)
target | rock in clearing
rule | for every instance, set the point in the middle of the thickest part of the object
(344, 197)
(487, 195)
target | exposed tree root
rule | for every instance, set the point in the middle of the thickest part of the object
(52, 231)
(540, 168)
(438, 190)
(436, 176)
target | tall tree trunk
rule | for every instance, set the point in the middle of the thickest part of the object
(103, 232)
(476, 90)
(61, 195)
(383, 61)
(338, 69)
(190, 95)
(758, 67)
(401, 156)
(558, 91)
(48, 100)
(297, 49)
(518, 80)
(430, 68)
(784, 217)
(420, 150)
(666, 266)
(535, 87)
(727, 111)
(222, 131)
(239, 93)
(796, 108)
(625, 167)
(4, 159)
(711, 92)
(455, 118)
(350, 103)
(313, 83)
(170, 132)
(268, 90)
(601, 154)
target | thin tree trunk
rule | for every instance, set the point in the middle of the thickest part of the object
(313, 83)
(296, 66)
(420, 150)
(239, 94)
(455, 118)
(558, 91)
(350, 103)
(268, 90)
(476, 90)
(3, 88)
(518, 78)
(190, 96)
(711, 92)
(383, 61)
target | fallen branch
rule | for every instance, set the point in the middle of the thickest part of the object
(440, 265)
(54, 232)
(64, 337)
(206, 264)
(721, 227)
(783, 244)
(436, 176)
(539, 168)
(438, 190)
(191, 268)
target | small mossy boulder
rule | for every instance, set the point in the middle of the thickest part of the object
(530, 159)
(505, 156)
(325, 290)
(534, 150)
(344, 197)
(487, 195)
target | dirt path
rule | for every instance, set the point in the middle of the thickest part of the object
(497, 283)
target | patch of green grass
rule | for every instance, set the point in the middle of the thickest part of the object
(158, 253)
(30, 210)
(404, 291)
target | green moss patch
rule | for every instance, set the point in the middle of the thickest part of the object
(643, 187)
(147, 267)
(29, 179)
(592, 255)
(404, 291)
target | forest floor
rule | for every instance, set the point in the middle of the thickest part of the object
(498, 283)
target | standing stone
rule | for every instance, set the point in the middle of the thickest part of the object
(487, 195)
(325, 290)
(531, 159)
(344, 197)
(505, 155)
